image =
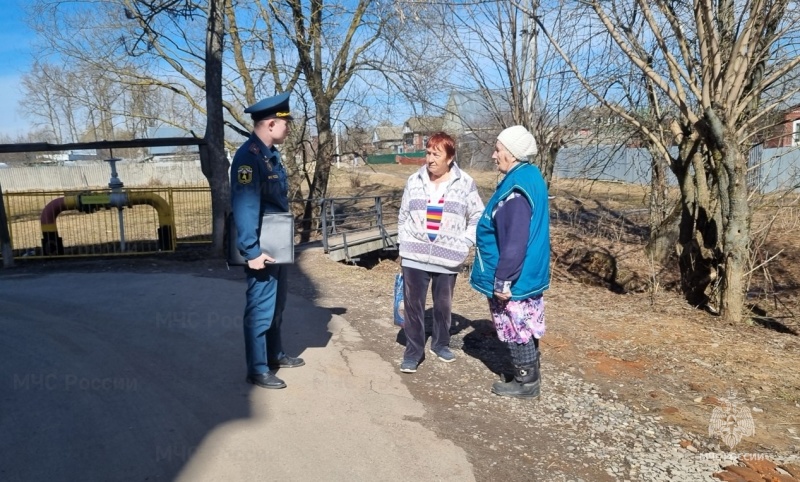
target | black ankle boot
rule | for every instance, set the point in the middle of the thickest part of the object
(525, 383)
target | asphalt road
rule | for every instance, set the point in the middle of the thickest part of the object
(134, 376)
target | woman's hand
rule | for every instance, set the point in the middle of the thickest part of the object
(502, 290)
(502, 296)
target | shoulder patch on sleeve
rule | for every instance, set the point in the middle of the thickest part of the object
(244, 174)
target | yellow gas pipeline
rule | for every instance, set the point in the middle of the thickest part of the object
(89, 202)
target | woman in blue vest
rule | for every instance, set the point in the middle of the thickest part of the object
(512, 258)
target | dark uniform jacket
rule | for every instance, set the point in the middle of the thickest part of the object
(258, 186)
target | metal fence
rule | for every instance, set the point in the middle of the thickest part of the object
(102, 222)
(769, 170)
(94, 174)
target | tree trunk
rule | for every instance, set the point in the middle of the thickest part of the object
(213, 161)
(658, 191)
(736, 234)
(698, 247)
(549, 162)
(319, 186)
(663, 222)
(714, 233)
(697, 253)
(215, 167)
(663, 237)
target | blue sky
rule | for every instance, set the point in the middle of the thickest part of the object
(15, 60)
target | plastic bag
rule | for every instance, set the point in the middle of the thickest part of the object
(399, 306)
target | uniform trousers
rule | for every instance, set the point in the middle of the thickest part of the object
(263, 316)
(415, 290)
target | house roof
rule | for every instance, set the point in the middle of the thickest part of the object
(424, 124)
(792, 102)
(388, 133)
(475, 108)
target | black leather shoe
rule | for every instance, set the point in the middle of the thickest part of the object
(286, 362)
(266, 380)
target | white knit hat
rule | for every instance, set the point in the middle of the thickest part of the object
(519, 142)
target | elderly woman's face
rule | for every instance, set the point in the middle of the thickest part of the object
(438, 162)
(502, 158)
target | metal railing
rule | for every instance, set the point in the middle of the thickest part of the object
(347, 221)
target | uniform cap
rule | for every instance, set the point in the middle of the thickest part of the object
(519, 142)
(271, 107)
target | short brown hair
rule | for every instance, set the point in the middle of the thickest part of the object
(443, 141)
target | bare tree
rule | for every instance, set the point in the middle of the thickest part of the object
(492, 50)
(331, 44)
(213, 160)
(80, 102)
(206, 75)
(48, 101)
(312, 48)
(710, 64)
(119, 49)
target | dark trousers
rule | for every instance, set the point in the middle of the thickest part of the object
(415, 289)
(263, 315)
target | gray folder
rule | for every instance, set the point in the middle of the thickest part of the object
(276, 240)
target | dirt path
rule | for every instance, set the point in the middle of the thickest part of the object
(664, 359)
(649, 349)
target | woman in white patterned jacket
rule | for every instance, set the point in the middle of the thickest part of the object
(435, 229)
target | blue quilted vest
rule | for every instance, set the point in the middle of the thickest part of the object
(534, 279)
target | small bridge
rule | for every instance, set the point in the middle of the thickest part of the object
(352, 226)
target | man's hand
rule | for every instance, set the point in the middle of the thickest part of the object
(260, 262)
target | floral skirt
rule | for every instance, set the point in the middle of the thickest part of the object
(518, 321)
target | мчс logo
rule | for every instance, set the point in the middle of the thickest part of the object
(731, 422)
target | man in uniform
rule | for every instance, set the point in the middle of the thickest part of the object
(258, 186)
